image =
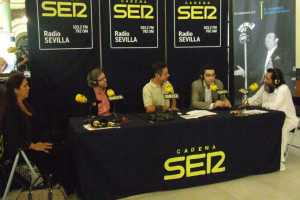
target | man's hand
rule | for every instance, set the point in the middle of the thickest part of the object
(41, 146)
(227, 104)
(218, 104)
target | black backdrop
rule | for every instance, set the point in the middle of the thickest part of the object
(128, 69)
(185, 63)
(58, 75)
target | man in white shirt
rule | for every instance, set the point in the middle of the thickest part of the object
(275, 95)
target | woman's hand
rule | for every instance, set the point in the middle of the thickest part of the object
(41, 146)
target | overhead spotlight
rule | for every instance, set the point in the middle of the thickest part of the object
(24, 19)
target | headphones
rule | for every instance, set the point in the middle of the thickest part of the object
(204, 68)
(99, 123)
(276, 77)
(93, 76)
(92, 82)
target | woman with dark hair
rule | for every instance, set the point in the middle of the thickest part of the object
(17, 121)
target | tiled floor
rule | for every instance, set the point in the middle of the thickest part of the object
(274, 186)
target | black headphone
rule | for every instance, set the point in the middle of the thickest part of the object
(204, 68)
(99, 123)
(201, 74)
(94, 83)
(276, 77)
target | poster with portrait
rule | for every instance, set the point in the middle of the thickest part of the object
(264, 37)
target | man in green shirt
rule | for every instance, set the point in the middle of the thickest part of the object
(153, 92)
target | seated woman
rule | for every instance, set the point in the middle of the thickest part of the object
(17, 121)
(98, 81)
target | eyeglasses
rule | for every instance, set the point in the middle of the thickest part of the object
(101, 79)
(210, 75)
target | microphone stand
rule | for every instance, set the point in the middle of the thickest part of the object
(90, 116)
(171, 111)
(115, 114)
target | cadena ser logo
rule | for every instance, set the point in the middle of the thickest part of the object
(197, 23)
(64, 9)
(197, 12)
(133, 9)
(195, 161)
(134, 23)
(62, 22)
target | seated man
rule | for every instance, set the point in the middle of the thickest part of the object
(153, 92)
(202, 96)
(275, 95)
(98, 81)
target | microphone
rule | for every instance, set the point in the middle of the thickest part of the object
(169, 89)
(112, 97)
(214, 87)
(13, 50)
(170, 95)
(80, 98)
(252, 87)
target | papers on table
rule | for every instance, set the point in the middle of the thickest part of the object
(254, 112)
(90, 128)
(197, 113)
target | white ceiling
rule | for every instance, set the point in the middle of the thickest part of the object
(17, 4)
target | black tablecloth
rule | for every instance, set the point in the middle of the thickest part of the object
(142, 157)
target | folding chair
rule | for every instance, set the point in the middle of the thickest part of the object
(289, 145)
(35, 176)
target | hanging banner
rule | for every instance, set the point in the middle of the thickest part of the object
(133, 23)
(65, 24)
(264, 37)
(197, 24)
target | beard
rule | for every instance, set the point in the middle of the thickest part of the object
(269, 88)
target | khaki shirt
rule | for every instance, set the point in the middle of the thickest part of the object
(154, 94)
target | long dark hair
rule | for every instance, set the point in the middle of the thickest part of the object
(9, 98)
(277, 77)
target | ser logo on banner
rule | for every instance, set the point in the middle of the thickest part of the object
(193, 162)
(197, 12)
(62, 22)
(197, 24)
(63, 9)
(133, 11)
(133, 23)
